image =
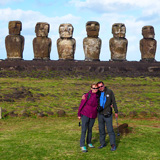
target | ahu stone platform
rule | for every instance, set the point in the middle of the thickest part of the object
(94, 69)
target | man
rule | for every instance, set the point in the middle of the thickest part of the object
(106, 103)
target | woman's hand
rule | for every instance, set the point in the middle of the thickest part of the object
(79, 117)
(83, 97)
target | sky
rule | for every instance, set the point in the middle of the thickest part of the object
(133, 13)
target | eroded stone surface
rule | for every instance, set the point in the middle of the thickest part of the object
(92, 44)
(118, 44)
(14, 42)
(148, 44)
(42, 44)
(66, 45)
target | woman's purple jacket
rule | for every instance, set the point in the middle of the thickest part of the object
(90, 108)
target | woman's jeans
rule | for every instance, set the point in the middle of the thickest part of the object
(87, 124)
(102, 121)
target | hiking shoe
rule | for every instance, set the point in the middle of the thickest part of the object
(90, 145)
(113, 147)
(101, 146)
(84, 149)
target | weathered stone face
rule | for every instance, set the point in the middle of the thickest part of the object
(42, 44)
(148, 44)
(92, 28)
(42, 29)
(118, 30)
(148, 32)
(14, 42)
(66, 30)
(118, 44)
(66, 45)
(92, 44)
(15, 27)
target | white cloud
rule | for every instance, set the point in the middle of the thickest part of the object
(149, 7)
(3, 2)
(30, 18)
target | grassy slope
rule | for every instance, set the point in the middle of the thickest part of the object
(58, 138)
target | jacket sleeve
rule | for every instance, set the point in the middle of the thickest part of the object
(114, 103)
(83, 101)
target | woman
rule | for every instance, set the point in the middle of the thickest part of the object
(87, 113)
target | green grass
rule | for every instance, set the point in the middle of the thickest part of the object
(58, 138)
(132, 94)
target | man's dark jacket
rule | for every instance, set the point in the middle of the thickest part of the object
(110, 100)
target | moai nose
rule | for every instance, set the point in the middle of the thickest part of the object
(93, 25)
(14, 24)
(65, 28)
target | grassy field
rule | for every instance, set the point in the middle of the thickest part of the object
(51, 95)
(58, 138)
(53, 137)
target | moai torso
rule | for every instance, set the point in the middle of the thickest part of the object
(14, 42)
(42, 44)
(148, 44)
(118, 44)
(92, 44)
(66, 44)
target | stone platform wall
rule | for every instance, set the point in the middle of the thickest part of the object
(77, 68)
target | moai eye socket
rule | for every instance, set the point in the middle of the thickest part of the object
(145, 28)
(115, 26)
(62, 28)
(70, 28)
(46, 27)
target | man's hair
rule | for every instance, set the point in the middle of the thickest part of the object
(100, 82)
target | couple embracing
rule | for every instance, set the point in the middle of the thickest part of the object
(99, 100)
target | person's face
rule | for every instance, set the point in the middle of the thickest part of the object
(94, 88)
(101, 87)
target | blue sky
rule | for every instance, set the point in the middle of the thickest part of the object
(133, 13)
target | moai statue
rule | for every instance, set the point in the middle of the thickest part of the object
(42, 44)
(66, 45)
(14, 42)
(92, 44)
(118, 44)
(148, 44)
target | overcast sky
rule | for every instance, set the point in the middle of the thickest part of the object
(133, 13)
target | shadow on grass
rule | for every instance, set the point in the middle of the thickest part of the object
(95, 139)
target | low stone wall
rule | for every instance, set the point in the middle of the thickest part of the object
(83, 68)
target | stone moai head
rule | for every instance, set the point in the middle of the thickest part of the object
(118, 44)
(14, 42)
(119, 30)
(148, 32)
(92, 28)
(42, 44)
(15, 27)
(42, 29)
(148, 44)
(66, 30)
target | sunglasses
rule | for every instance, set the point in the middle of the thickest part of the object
(101, 86)
(94, 88)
